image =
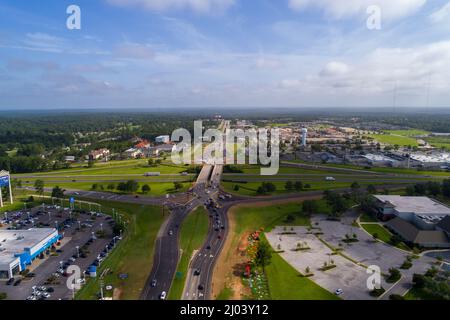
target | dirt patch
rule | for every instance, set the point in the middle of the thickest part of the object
(226, 270)
(117, 293)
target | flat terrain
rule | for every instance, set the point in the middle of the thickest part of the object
(192, 236)
(286, 283)
(133, 256)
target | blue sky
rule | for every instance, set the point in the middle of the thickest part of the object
(224, 53)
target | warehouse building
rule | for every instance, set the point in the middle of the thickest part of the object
(418, 220)
(19, 248)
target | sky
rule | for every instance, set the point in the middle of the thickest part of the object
(225, 53)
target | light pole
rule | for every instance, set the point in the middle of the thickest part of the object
(49, 216)
(78, 251)
(79, 224)
(56, 225)
(101, 227)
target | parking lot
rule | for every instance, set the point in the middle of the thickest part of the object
(86, 240)
(350, 274)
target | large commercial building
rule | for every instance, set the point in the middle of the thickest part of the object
(416, 219)
(19, 248)
(162, 139)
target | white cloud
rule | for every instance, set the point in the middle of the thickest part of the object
(441, 15)
(391, 9)
(334, 69)
(200, 6)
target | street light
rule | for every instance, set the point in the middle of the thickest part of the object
(78, 251)
(101, 227)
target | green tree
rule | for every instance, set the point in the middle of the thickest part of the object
(289, 186)
(151, 162)
(310, 207)
(263, 254)
(298, 186)
(146, 188)
(446, 188)
(371, 189)
(57, 192)
(91, 163)
(111, 186)
(39, 187)
(178, 185)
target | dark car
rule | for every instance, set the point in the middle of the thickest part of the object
(197, 272)
(10, 282)
(154, 283)
(50, 290)
(18, 281)
(208, 247)
(201, 287)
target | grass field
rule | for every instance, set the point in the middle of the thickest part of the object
(395, 139)
(250, 219)
(250, 188)
(408, 133)
(193, 233)
(439, 142)
(125, 167)
(133, 255)
(157, 188)
(285, 283)
(383, 234)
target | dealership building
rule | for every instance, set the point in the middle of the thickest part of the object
(19, 248)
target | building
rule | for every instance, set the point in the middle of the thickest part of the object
(5, 181)
(98, 154)
(162, 139)
(143, 144)
(133, 153)
(19, 248)
(416, 237)
(304, 137)
(420, 221)
(424, 212)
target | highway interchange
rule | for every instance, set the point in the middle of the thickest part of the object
(206, 192)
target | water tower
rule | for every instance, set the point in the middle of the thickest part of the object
(304, 137)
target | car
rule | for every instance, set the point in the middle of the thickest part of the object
(197, 272)
(42, 288)
(30, 298)
(45, 295)
(170, 233)
(163, 296)
(18, 281)
(208, 247)
(154, 283)
(10, 282)
(338, 292)
(201, 287)
(50, 290)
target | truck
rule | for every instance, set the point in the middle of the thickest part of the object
(152, 174)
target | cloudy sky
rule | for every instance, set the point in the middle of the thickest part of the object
(224, 53)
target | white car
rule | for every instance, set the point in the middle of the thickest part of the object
(330, 179)
(163, 296)
(46, 295)
(338, 292)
